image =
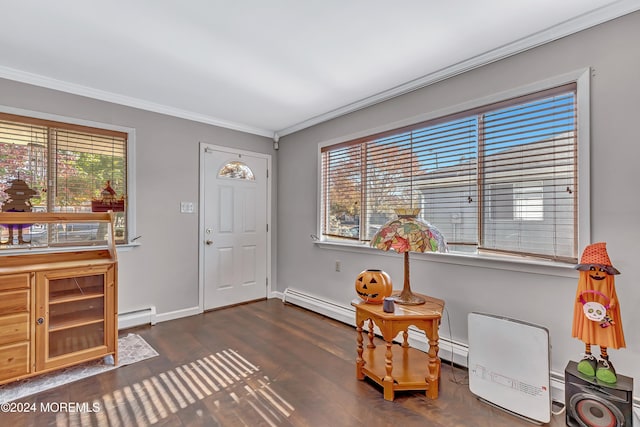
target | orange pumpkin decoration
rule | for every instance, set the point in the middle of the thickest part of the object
(373, 286)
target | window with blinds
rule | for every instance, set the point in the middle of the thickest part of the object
(69, 166)
(499, 178)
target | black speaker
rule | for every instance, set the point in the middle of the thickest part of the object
(592, 403)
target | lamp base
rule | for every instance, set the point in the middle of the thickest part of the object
(407, 298)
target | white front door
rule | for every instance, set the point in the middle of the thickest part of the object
(234, 226)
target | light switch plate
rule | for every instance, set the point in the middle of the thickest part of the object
(186, 207)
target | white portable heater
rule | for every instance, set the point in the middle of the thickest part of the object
(509, 365)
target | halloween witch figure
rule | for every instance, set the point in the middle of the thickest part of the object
(19, 194)
(596, 315)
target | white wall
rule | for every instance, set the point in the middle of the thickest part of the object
(543, 297)
(163, 271)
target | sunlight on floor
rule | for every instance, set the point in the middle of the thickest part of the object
(230, 386)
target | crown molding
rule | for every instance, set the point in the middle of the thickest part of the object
(63, 86)
(566, 28)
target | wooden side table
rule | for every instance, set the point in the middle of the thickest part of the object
(416, 371)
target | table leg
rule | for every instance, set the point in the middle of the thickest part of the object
(433, 365)
(371, 335)
(387, 381)
(359, 359)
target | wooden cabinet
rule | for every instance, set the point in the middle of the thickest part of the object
(57, 308)
(15, 325)
(73, 314)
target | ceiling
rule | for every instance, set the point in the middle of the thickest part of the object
(271, 67)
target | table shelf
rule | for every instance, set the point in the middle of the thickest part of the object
(409, 366)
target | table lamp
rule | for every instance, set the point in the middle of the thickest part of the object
(404, 234)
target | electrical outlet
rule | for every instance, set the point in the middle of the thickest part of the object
(338, 265)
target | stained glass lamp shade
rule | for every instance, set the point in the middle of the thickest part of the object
(407, 234)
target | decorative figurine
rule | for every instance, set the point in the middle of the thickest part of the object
(107, 201)
(19, 194)
(596, 315)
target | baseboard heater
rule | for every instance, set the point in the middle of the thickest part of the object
(320, 305)
(144, 316)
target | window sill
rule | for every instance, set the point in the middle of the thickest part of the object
(45, 250)
(127, 247)
(497, 262)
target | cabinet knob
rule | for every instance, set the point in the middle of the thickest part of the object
(40, 320)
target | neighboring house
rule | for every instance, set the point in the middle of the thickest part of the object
(532, 204)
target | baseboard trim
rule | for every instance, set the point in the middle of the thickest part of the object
(149, 316)
(144, 316)
(177, 314)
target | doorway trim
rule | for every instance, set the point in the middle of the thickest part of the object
(204, 147)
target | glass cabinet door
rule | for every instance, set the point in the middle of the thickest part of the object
(76, 314)
(73, 325)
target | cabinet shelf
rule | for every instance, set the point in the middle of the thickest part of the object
(71, 296)
(74, 320)
(76, 339)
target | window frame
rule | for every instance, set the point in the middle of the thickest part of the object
(581, 78)
(130, 206)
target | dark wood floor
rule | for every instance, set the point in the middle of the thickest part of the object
(261, 364)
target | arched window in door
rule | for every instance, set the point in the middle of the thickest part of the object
(236, 170)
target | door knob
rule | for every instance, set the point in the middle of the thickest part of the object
(209, 242)
(40, 320)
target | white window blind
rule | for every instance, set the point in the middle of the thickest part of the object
(502, 177)
(529, 176)
(342, 168)
(67, 164)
